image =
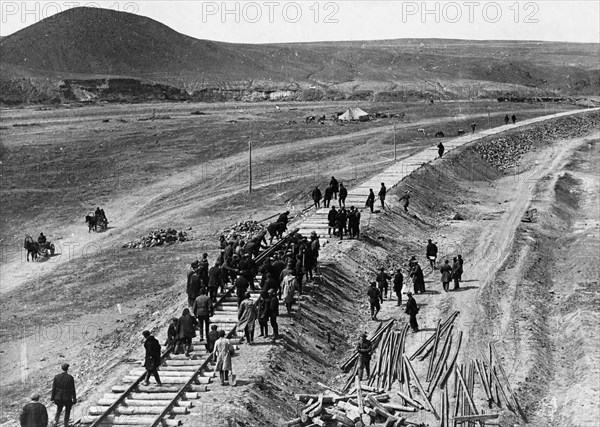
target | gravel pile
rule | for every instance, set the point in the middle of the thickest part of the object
(157, 238)
(505, 152)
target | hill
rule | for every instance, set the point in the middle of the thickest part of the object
(84, 44)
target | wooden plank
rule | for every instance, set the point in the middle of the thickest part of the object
(480, 417)
(424, 395)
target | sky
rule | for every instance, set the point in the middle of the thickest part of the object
(302, 21)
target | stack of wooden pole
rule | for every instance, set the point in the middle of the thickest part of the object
(389, 365)
(375, 339)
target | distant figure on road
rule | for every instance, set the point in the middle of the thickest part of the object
(514, 119)
(406, 198)
(152, 360)
(446, 271)
(63, 394)
(364, 349)
(34, 414)
(316, 196)
(381, 194)
(412, 310)
(334, 186)
(431, 253)
(441, 149)
(370, 200)
(460, 271)
(375, 299)
(343, 195)
(506, 119)
(473, 126)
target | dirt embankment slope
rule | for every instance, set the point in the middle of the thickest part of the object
(506, 298)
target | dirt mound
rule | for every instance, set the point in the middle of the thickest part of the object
(158, 238)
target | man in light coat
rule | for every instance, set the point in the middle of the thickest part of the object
(222, 354)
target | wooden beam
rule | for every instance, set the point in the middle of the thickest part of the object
(414, 376)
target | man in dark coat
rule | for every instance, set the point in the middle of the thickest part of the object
(461, 263)
(370, 200)
(412, 310)
(341, 222)
(203, 310)
(34, 414)
(214, 281)
(172, 336)
(186, 330)
(446, 271)
(193, 288)
(381, 194)
(364, 349)
(334, 186)
(63, 394)
(406, 198)
(375, 299)
(248, 269)
(241, 287)
(327, 197)
(398, 283)
(42, 239)
(418, 280)
(203, 270)
(284, 217)
(514, 119)
(456, 272)
(473, 126)
(331, 220)
(431, 253)
(506, 119)
(316, 196)
(441, 149)
(274, 313)
(262, 306)
(152, 360)
(211, 339)
(343, 195)
(382, 282)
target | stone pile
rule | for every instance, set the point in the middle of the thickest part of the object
(244, 230)
(157, 238)
(505, 152)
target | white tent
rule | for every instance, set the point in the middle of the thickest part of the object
(354, 114)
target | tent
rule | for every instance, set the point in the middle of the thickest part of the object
(354, 114)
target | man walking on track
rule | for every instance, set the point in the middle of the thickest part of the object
(316, 196)
(63, 394)
(446, 271)
(152, 361)
(398, 283)
(334, 186)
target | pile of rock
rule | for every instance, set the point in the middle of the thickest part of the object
(157, 238)
(505, 152)
(243, 230)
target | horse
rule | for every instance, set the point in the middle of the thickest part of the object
(276, 229)
(32, 248)
(92, 222)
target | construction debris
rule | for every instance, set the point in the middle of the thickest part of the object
(157, 238)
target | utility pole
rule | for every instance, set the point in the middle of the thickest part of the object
(395, 157)
(249, 166)
(489, 125)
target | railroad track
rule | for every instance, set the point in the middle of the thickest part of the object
(184, 378)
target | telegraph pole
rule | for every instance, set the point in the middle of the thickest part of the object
(395, 157)
(249, 166)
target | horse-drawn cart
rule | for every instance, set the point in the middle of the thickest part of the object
(94, 222)
(36, 249)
